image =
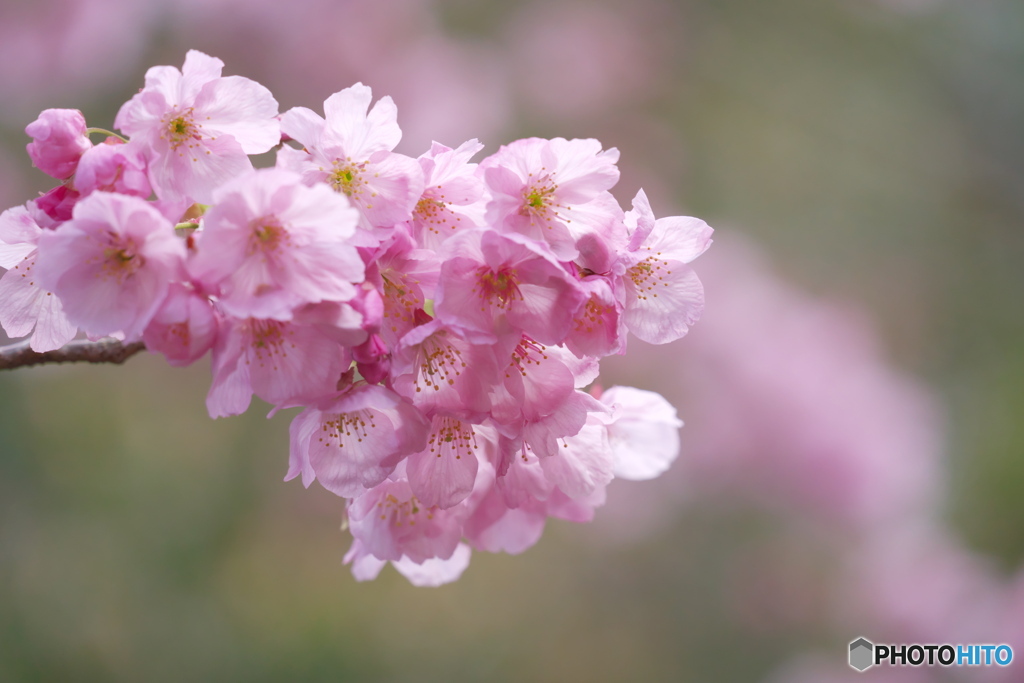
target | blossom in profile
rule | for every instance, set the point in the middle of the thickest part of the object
(196, 128)
(406, 277)
(111, 264)
(498, 525)
(662, 295)
(56, 206)
(598, 329)
(537, 403)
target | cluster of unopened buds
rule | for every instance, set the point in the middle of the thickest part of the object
(437, 320)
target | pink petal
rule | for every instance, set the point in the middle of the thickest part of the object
(241, 108)
(665, 305)
(435, 571)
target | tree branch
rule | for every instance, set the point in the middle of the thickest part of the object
(78, 351)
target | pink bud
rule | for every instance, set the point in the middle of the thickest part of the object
(59, 139)
(58, 203)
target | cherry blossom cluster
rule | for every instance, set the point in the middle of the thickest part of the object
(437, 320)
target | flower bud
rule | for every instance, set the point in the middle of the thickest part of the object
(59, 139)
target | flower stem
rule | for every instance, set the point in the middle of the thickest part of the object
(104, 131)
(21, 354)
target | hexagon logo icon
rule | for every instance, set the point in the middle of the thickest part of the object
(862, 654)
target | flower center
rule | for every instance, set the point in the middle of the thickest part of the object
(267, 234)
(344, 427)
(403, 511)
(400, 300)
(527, 353)
(120, 260)
(539, 198)
(452, 437)
(428, 208)
(347, 177)
(647, 275)
(498, 288)
(440, 363)
(267, 339)
(434, 214)
(180, 129)
(592, 316)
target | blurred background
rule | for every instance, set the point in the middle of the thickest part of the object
(853, 456)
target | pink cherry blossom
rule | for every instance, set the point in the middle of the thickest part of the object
(453, 197)
(196, 127)
(443, 368)
(281, 362)
(272, 244)
(25, 307)
(352, 441)
(111, 264)
(544, 189)
(407, 277)
(585, 463)
(434, 319)
(663, 296)
(510, 517)
(346, 322)
(390, 522)
(184, 328)
(598, 329)
(537, 403)
(495, 527)
(490, 279)
(350, 150)
(58, 141)
(113, 167)
(435, 571)
(444, 472)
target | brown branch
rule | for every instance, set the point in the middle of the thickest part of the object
(20, 355)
